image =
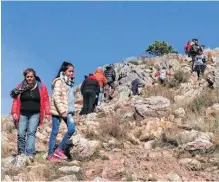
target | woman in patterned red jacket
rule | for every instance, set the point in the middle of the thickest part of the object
(30, 107)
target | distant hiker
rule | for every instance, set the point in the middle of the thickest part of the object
(187, 47)
(30, 107)
(85, 77)
(135, 84)
(102, 81)
(62, 109)
(163, 75)
(90, 89)
(200, 63)
(109, 89)
(194, 50)
(202, 48)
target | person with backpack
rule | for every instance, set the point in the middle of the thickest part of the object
(187, 48)
(102, 82)
(200, 63)
(90, 89)
(194, 50)
(30, 107)
(109, 89)
(62, 109)
(163, 73)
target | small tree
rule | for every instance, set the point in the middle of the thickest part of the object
(159, 48)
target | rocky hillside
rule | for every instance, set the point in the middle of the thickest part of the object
(166, 133)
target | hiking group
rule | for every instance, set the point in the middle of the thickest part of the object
(31, 102)
(199, 59)
(31, 105)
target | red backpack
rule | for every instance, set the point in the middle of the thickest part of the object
(187, 47)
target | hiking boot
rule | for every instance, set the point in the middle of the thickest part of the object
(68, 154)
(52, 158)
(60, 154)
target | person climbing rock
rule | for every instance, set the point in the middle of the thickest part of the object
(163, 73)
(195, 47)
(90, 89)
(135, 86)
(62, 109)
(200, 63)
(109, 89)
(102, 82)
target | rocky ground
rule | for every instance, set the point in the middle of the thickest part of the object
(166, 133)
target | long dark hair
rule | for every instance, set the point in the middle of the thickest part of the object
(65, 65)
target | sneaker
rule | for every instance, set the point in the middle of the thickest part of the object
(52, 158)
(60, 154)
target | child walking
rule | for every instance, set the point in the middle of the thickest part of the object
(62, 109)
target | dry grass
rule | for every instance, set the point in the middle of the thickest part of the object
(149, 62)
(113, 127)
(178, 78)
(159, 90)
(206, 99)
(209, 54)
(196, 113)
(135, 62)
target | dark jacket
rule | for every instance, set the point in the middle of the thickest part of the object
(90, 85)
(110, 74)
(194, 49)
(135, 84)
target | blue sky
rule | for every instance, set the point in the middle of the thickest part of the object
(90, 34)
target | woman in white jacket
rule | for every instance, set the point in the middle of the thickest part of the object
(62, 108)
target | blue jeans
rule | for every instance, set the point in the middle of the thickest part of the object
(27, 127)
(55, 129)
(100, 96)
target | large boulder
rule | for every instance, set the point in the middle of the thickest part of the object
(212, 111)
(190, 164)
(84, 147)
(192, 140)
(155, 106)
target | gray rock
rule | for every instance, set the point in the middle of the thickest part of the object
(7, 178)
(40, 136)
(173, 177)
(67, 169)
(154, 106)
(190, 164)
(97, 179)
(67, 178)
(180, 112)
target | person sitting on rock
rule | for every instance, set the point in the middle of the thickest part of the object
(163, 73)
(109, 89)
(90, 89)
(102, 82)
(30, 107)
(200, 63)
(62, 109)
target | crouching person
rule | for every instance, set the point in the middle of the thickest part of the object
(30, 107)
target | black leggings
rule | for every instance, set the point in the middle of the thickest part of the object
(200, 69)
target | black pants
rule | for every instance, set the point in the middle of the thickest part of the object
(135, 91)
(162, 81)
(193, 61)
(89, 98)
(200, 69)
